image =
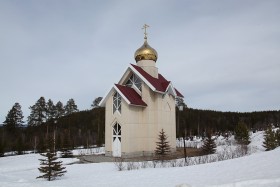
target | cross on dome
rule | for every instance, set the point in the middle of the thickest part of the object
(145, 32)
(145, 52)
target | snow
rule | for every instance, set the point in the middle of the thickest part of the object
(260, 169)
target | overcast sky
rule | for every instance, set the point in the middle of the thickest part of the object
(222, 55)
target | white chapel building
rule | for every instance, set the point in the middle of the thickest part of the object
(138, 107)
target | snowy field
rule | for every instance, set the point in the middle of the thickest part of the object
(260, 169)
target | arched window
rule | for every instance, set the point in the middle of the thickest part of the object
(134, 80)
(117, 103)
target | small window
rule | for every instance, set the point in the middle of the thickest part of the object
(117, 101)
(134, 80)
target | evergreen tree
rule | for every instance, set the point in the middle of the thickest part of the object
(70, 107)
(242, 134)
(59, 110)
(163, 147)
(180, 102)
(51, 110)
(14, 118)
(209, 145)
(270, 142)
(66, 152)
(50, 168)
(96, 102)
(38, 113)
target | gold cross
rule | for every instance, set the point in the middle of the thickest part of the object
(145, 28)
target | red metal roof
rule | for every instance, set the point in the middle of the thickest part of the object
(133, 97)
(178, 93)
(160, 84)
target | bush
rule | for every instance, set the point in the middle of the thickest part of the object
(132, 165)
(119, 163)
(242, 134)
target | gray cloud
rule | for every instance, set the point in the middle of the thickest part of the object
(222, 55)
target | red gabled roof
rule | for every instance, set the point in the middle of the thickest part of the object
(178, 93)
(133, 97)
(160, 84)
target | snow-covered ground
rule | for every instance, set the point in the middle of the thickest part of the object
(260, 169)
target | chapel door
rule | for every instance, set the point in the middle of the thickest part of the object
(117, 140)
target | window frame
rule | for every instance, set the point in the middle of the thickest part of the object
(135, 82)
(117, 103)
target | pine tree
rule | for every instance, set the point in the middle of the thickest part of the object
(209, 145)
(38, 113)
(51, 110)
(96, 102)
(14, 118)
(59, 110)
(163, 147)
(180, 102)
(70, 107)
(50, 168)
(242, 134)
(66, 152)
(270, 142)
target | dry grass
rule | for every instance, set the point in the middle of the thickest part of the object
(191, 152)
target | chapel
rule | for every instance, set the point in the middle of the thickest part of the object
(139, 106)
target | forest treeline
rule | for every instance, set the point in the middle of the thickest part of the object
(198, 122)
(86, 128)
(68, 126)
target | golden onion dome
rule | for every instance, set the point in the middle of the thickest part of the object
(145, 52)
